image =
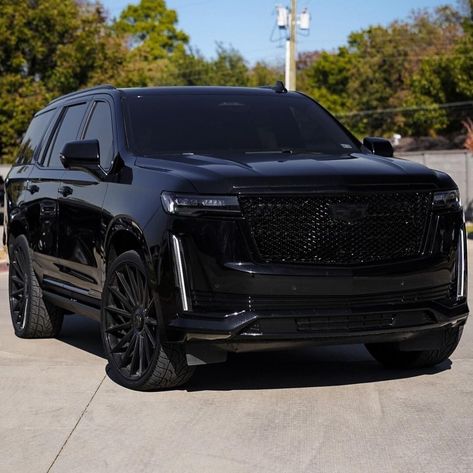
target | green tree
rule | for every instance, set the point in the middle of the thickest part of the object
(263, 73)
(20, 98)
(228, 68)
(389, 75)
(151, 29)
(47, 48)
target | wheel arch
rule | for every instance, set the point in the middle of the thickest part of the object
(124, 234)
(16, 226)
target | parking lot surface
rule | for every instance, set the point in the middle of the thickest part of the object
(328, 409)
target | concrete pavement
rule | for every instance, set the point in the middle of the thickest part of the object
(330, 409)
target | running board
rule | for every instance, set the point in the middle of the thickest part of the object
(73, 305)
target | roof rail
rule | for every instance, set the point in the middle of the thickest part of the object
(278, 87)
(81, 91)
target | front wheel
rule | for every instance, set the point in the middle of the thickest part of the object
(130, 331)
(391, 356)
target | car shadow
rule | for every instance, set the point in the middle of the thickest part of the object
(301, 368)
(82, 333)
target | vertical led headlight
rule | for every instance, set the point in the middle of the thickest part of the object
(461, 266)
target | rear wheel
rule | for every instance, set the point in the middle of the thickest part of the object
(31, 316)
(390, 355)
(130, 331)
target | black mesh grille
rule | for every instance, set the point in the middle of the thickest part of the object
(338, 229)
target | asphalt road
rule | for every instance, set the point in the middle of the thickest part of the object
(315, 410)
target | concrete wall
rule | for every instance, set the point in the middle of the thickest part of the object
(4, 170)
(457, 163)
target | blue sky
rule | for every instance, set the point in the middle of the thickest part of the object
(247, 24)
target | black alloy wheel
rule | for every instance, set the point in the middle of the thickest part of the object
(32, 316)
(130, 321)
(130, 330)
(19, 288)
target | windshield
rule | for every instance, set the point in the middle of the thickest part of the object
(211, 123)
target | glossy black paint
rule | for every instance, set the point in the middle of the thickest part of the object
(76, 221)
(379, 146)
(82, 155)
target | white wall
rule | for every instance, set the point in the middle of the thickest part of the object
(4, 170)
(457, 163)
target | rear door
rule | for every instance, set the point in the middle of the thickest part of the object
(43, 183)
(80, 206)
(21, 195)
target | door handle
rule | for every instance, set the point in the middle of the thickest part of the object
(32, 188)
(65, 191)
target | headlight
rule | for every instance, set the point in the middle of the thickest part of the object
(194, 205)
(449, 200)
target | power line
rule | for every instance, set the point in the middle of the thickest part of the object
(407, 109)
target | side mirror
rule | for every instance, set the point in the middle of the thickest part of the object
(84, 155)
(379, 146)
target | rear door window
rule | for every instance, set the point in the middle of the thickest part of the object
(68, 130)
(33, 137)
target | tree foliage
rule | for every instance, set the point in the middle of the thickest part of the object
(386, 79)
(398, 78)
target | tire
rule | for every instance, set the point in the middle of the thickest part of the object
(390, 355)
(131, 332)
(32, 317)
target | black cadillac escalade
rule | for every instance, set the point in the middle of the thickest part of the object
(196, 221)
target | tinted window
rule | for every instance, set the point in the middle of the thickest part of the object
(233, 123)
(33, 137)
(100, 128)
(67, 131)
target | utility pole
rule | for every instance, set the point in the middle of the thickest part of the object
(291, 49)
(288, 20)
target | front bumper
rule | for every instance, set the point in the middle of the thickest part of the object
(324, 326)
(232, 298)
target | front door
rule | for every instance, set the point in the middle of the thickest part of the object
(80, 208)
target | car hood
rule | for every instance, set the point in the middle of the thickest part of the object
(266, 172)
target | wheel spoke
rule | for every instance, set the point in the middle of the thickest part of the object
(126, 287)
(120, 345)
(149, 306)
(150, 337)
(134, 357)
(126, 355)
(22, 259)
(117, 311)
(118, 327)
(133, 283)
(141, 354)
(19, 282)
(147, 350)
(15, 301)
(17, 292)
(144, 291)
(18, 271)
(20, 309)
(116, 293)
(151, 321)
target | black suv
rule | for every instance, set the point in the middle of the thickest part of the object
(193, 222)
